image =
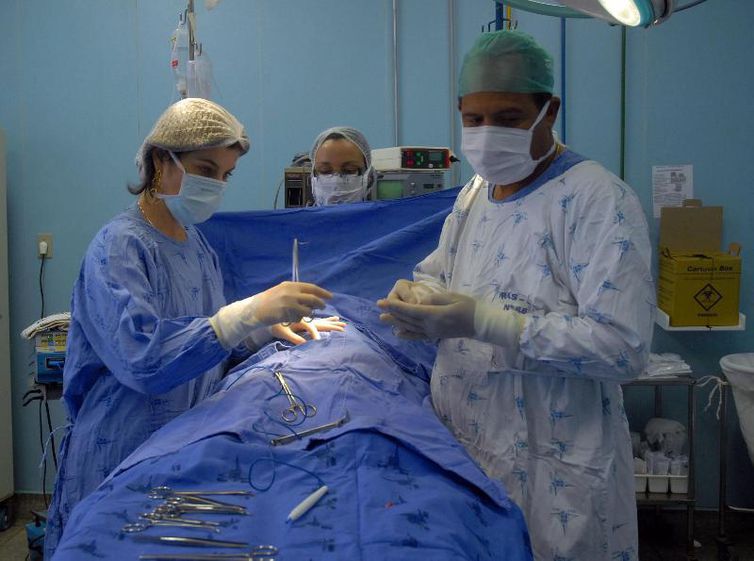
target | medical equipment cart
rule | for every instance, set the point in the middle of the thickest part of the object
(687, 499)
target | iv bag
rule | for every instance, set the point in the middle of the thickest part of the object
(179, 57)
(199, 77)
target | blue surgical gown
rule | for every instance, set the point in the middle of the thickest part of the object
(141, 350)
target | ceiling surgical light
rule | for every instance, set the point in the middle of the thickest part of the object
(634, 13)
(625, 11)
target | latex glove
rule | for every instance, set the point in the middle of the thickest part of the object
(442, 316)
(410, 292)
(288, 301)
(314, 328)
(447, 315)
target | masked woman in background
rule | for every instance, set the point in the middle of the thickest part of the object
(341, 167)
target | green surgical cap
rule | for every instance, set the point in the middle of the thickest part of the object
(506, 61)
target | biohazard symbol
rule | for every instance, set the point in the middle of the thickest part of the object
(708, 297)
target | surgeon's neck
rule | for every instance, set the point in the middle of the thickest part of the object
(501, 192)
(158, 216)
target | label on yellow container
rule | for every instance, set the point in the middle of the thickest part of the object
(699, 288)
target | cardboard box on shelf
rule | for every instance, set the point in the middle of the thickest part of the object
(698, 284)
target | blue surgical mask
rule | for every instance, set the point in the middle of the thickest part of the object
(198, 199)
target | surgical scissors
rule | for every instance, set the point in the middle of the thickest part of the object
(297, 407)
(294, 277)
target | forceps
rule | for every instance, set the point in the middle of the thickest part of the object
(258, 553)
(163, 491)
(297, 407)
(175, 506)
(177, 516)
(192, 501)
(171, 496)
(134, 527)
(299, 435)
(190, 542)
(294, 276)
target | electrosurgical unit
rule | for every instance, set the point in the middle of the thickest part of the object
(411, 158)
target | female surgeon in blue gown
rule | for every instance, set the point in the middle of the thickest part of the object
(150, 329)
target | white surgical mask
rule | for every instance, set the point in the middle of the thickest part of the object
(198, 199)
(331, 189)
(502, 155)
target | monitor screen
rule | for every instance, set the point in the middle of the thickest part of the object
(389, 189)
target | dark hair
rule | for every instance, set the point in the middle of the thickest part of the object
(540, 98)
(148, 170)
(340, 136)
(334, 136)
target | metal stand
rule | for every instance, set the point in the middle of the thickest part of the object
(658, 500)
(725, 545)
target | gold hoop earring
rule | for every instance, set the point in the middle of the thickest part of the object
(154, 188)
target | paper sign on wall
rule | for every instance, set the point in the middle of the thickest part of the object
(671, 185)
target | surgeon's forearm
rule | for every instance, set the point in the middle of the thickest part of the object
(583, 347)
(175, 352)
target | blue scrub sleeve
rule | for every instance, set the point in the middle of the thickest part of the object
(116, 309)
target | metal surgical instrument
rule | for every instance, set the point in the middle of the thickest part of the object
(297, 407)
(177, 516)
(258, 553)
(174, 507)
(163, 491)
(134, 527)
(175, 498)
(291, 437)
(294, 276)
(190, 542)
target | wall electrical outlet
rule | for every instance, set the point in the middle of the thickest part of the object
(41, 249)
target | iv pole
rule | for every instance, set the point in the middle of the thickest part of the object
(190, 19)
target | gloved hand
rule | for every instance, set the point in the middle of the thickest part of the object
(288, 301)
(448, 315)
(441, 316)
(291, 332)
(410, 292)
